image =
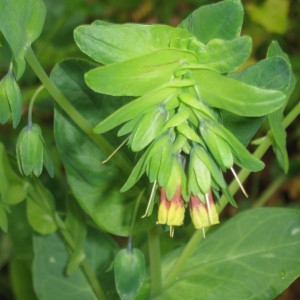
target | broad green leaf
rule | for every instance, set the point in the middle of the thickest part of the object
(50, 281)
(13, 189)
(41, 209)
(50, 261)
(129, 269)
(254, 256)
(21, 23)
(95, 186)
(270, 73)
(4, 104)
(21, 279)
(139, 75)
(222, 20)
(234, 96)
(273, 15)
(109, 43)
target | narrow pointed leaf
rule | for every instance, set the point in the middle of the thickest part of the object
(139, 75)
(237, 97)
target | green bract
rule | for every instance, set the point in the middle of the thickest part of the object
(186, 83)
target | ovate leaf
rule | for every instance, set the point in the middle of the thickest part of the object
(109, 43)
(21, 23)
(261, 245)
(222, 20)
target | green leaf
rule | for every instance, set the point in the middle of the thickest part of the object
(237, 97)
(222, 20)
(13, 189)
(275, 119)
(129, 269)
(270, 73)
(95, 186)
(261, 245)
(50, 261)
(76, 225)
(21, 23)
(41, 209)
(139, 75)
(4, 104)
(109, 43)
(3, 218)
(225, 56)
(273, 15)
(14, 98)
(21, 279)
(49, 271)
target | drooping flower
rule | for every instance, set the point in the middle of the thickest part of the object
(203, 213)
(171, 212)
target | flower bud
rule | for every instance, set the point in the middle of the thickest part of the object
(32, 152)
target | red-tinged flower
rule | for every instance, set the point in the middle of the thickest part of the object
(171, 212)
(203, 214)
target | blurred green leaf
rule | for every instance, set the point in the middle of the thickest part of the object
(21, 23)
(21, 279)
(261, 245)
(95, 186)
(40, 209)
(222, 20)
(12, 188)
(110, 43)
(129, 268)
(272, 15)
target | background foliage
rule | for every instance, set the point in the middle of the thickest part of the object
(264, 22)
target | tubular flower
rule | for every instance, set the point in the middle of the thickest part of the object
(171, 212)
(203, 214)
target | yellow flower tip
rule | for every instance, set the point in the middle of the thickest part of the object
(198, 212)
(212, 209)
(176, 211)
(163, 208)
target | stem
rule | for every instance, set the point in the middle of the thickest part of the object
(272, 188)
(30, 108)
(233, 187)
(88, 271)
(71, 111)
(155, 261)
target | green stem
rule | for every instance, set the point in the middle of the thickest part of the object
(272, 188)
(71, 111)
(88, 271)
(155, 261)
(233, 188)
(30, 108)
